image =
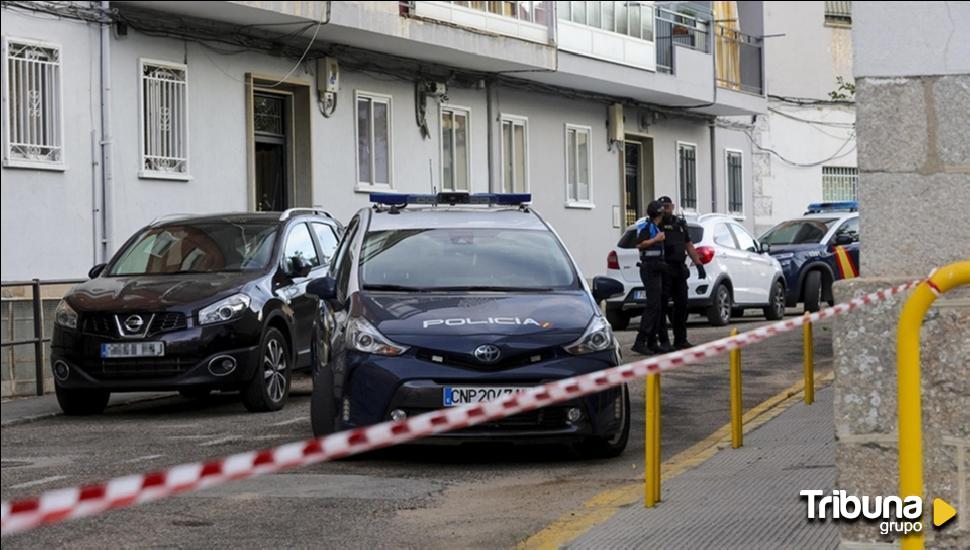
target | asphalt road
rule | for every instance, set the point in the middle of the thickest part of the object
(417, 496)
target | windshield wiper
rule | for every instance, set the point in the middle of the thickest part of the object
(488, 288)
(394, 288)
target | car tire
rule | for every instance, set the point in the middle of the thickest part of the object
(719, 312)
(612, 446)
(199, 392)
(270, 385)
(776, 306)
(618, 319)
(323, 405)
(813, 291)
(81, 402)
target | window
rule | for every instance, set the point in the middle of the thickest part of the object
(838, 13)
(533, 12)
(735, 185)
(839, 184)
(634, 19)
(455, 161)
(164, 121)
(687, 175)
(373, 139)
(327, 239)
(579, 165)
(515, 154)
(34, 118)
(722, 236)
(850, 228)
(745, 240)
(299, 243)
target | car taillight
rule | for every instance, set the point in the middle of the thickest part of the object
(612, 262)
(706, 254)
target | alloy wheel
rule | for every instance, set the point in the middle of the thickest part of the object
(274, 370)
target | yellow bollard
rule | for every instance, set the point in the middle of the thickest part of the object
(737, 433)
(808, 358)
(909, 404)
(651, 469)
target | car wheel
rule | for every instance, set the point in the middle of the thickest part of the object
(323, 406)
(81, 402)
(200, 392)
(813, 291)
(611, 446)
(618, 319)
(270, 386)
(776, 306)
(719, 312)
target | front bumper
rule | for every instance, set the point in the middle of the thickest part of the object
(377, 385)
(188, 354)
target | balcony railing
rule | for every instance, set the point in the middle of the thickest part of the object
(738, 60)
(678, 28)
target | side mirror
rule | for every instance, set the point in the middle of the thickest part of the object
(605, 287)
(96, 270)
(300, 267)
(324, 288)
(765, 248)
(843, 239)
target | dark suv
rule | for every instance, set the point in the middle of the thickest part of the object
(195, 304)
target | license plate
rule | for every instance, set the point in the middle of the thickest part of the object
(133, 349)
(639, 294)
(464, 395)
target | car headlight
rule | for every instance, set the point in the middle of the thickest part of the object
(598, 337)
(784, 256)
(65, 315)
(363, 336)
(224, 310)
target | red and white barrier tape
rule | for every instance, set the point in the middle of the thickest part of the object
(75, 502)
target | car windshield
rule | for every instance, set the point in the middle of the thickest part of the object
(464, 259)
(799, 231)
(198, 248)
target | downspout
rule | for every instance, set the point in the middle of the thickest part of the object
(490, 130)
(107, 173)
(713, 127)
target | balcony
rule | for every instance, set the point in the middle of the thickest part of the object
(618, 32)
(681, 29)
(738, 60)
(525, 20)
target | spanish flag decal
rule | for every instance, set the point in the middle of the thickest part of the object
(846, 268)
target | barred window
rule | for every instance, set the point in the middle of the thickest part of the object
(839, 183)
(735, 186)
(687, 175)
(34, 117)
(164, 121)
(838, 13)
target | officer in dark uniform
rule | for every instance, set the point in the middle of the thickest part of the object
(650, 243)
(677, 246)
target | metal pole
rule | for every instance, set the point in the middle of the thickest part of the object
(737, 433)
(651, 487)
(656, 440)
(909, 404)
(38, 339)
(808, 358)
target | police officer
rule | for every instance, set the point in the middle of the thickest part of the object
(650, 243)
(677, 246)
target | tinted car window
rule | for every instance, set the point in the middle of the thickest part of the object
(628, 239)
(696, 233)
(722, 236)
(465, 258)
(745, 241)
(850, 228)
(299, 243)
(327, 239)
(799, 231)
(198, 248)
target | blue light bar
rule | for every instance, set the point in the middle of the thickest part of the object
(450, 198)
(833, 206)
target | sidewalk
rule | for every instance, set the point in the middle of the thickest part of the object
(18, 410)
(740, 498)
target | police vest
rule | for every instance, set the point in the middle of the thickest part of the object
(675, 240)
(648, 230)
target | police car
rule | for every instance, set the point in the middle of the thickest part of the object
(441, 300)
(815, 250)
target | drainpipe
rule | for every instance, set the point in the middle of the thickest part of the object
(712, 127)
(490, 113)
(107, 173)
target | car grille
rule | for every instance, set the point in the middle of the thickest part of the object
(549, 418)
(140, 368)
(104, 324)
(465, 360)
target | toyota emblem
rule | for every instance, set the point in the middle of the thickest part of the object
(487, 353)
(134, 323)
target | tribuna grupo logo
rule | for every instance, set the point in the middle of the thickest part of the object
(900, 515)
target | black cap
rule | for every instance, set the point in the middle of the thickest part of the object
(665, 200)
(654, 209)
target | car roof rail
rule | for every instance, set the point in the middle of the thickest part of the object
(168, 218)
(290, 212)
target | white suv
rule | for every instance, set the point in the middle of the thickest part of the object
(740, 274)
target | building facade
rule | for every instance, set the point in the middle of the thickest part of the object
(805, 144)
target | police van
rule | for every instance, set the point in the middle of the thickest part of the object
(441, 300)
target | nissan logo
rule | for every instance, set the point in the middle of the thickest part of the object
(134, 323)
(487, 353)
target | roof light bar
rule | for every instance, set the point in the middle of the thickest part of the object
(450, 198)
(833, 206)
